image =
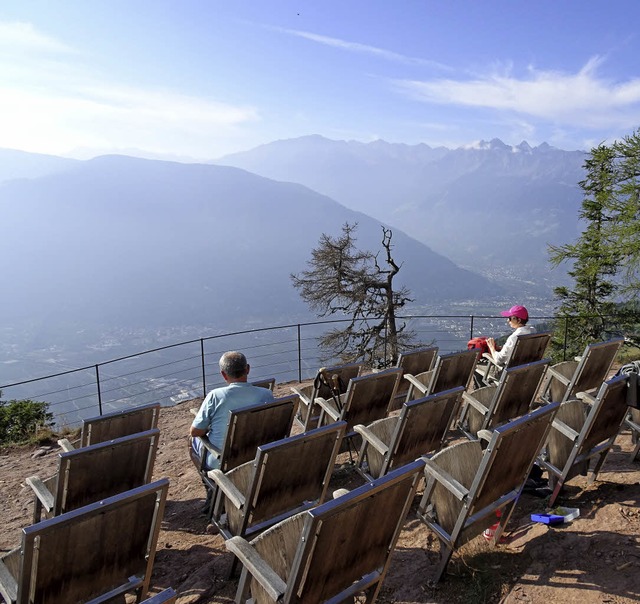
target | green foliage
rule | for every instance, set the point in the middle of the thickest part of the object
(19, 420)
(609, 242)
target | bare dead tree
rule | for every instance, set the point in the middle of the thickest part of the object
(343, 280)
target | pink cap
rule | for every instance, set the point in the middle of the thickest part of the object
(516, 311)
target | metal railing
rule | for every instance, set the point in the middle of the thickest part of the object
(185, 370)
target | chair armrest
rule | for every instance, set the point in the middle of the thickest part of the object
(485, 435)
(489, 358)
(304, 392)
(9, 570)
(228, 488)
(66, 445)
(328, 409)
(553, 372)
(585, 397)
(259, 569)
(371, 438)
(207, 447)
(568, 431)
(211, 448)
(415, 382)
(458, 490)
(41, 492)
(477, 405)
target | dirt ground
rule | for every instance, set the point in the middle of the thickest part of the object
(595, 558)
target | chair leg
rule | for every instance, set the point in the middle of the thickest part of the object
(635, 452)
(37, 510)
(596, 469)
(242, 594)
(556, 490)
(446, 552)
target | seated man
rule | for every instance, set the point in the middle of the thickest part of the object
(213, 415)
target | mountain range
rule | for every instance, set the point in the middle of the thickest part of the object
(491, 207)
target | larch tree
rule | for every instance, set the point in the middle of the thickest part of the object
(606, 257)
(342, 280)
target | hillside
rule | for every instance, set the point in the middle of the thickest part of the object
(120, 240)
(592, 560)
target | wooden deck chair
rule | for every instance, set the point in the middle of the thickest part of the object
(166, 596)
(450, 371)
(633, 422)
(247, 429)
(413, 362)
(564, 380)
(329, 382)
(529, 347)
(367, 399)
(286, 477)
(114, 425)
(95, 472)
(420, 429)
(268, 383)
(466, 485)
(93, 554)
(332, 552)
(582, 432)
(511, 397)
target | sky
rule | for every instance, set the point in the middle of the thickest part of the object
(199, 79)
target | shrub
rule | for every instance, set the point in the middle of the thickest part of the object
(19, 420)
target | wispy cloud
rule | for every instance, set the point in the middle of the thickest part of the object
(19, 37)
(582, 98)
(51, 102)
(357, 47)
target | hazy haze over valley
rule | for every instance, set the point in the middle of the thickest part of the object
(119, 243)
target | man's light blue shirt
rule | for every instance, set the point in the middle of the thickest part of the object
(213, 414)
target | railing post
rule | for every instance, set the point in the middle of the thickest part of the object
(98, 387)
(566, 336)
(471, 330)
(299, 355)
(204, 373)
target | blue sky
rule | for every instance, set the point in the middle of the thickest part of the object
(199, 79)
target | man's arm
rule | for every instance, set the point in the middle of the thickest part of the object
(202, 418)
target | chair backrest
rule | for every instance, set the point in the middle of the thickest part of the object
(509, 456)
(529, 347)
(515, 392)
(606, 415)
(414, 362)
(90, 551)
(349, 539)
(500, 470)
(119, 423)
(593, 368)
(369, 396)
(289, 476)
(418, 360)
(99, 471)
(255, 425)
(268, 383)
(453, 370)
(422, 426)
(340, 375)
